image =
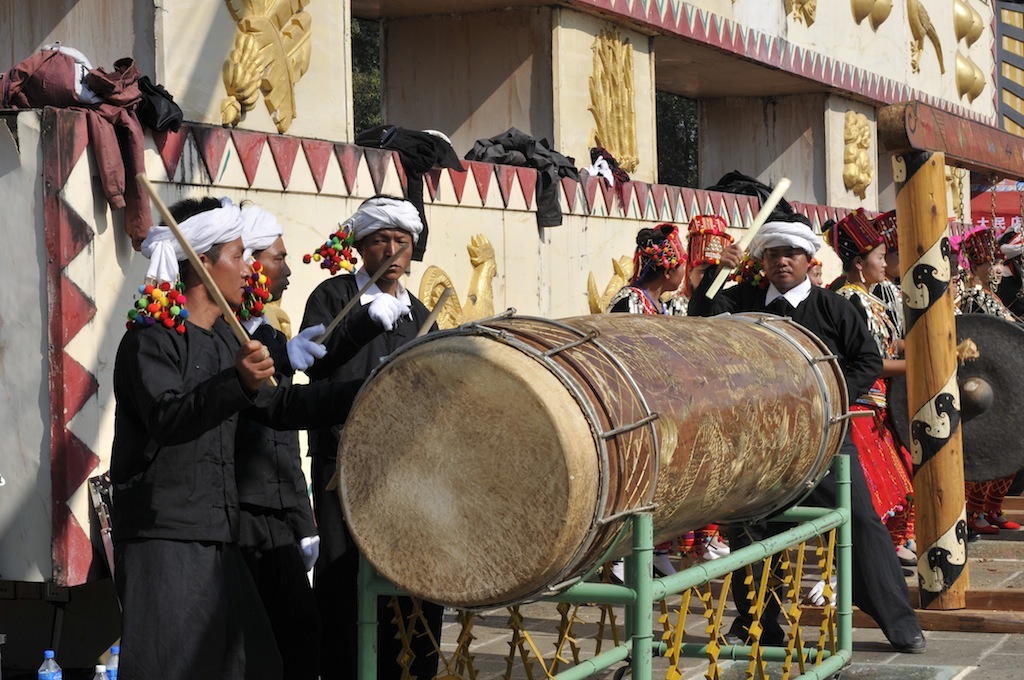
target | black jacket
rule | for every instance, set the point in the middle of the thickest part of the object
(178, 399)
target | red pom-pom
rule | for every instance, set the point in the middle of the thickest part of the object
(149, 290)
(153, 307)
(165, 286)
(180, 329)
(257, 266)
(181, 300)
(306, 259)
(257, 306)
(168, 321)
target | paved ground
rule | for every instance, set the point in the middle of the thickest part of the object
(995, 563)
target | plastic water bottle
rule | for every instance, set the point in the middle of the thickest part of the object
(50, 670)
(101, 672)
(115, 656)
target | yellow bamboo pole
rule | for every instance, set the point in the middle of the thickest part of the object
(933, 396)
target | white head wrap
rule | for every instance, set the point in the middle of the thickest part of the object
(203, 231)
(259, 230)
(1012, 247)
(793, 234)
(385, 213)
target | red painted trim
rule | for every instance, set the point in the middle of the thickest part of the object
(349, 156)
(318, 155)
(249, 146)
(284, 150)
(63, 141)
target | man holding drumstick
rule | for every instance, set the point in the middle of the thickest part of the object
(380, 228)
(785, 244)
(190, 609)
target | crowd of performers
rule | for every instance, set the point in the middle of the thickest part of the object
(213, 530)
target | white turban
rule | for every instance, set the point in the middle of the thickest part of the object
(1011, 246)
(259, 230)
(385, 213)
(792, 234)
(203, 231)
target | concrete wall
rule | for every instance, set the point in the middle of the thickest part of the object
(575, 126)
(769, 139)
(471, 76)
(103, 30)
(25, 496)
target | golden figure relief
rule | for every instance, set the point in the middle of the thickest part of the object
(479, 303)
(970, 79)
(623, 268)
(967, 22)
(270, 55)
(920, 28)
(803, 11)
(877, 10)
(858, 169)
(612, 96)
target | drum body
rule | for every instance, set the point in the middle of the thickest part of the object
(498, 462)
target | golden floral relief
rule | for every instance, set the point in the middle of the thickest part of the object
(858, 169)
(270, 55)
(612, 96)
(803, 11)
(479, 303)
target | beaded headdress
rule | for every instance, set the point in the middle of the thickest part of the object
(885, 225)
(664, 251)
(707, 239)
(978, 247)
(854, 235)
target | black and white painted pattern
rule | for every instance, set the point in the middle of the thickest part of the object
(927, 281)
(935, 423)
(943, 561)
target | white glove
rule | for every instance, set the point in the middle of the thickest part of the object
(310, 549)
(817, 594)
(387, 310)
(303, 351)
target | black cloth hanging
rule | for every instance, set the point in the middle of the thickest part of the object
(419, 152)
(514, 147)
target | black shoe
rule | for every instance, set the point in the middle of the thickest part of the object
(917, 645)
(907, 573)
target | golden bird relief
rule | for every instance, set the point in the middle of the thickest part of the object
(803, 11)
(858, 169)
(270, 55)
(878, 10)
(612, 96)
(623, 272)
(921, 27)
(479, 303)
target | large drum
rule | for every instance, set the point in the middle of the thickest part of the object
(498, 462)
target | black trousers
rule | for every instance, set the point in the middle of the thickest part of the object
(336, 588)
(272, 554)
(191, 612)
(879, 588)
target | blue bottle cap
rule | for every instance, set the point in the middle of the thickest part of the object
(48, 654)
(116, 649)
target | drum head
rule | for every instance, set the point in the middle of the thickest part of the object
(993, 438)
(433, 496)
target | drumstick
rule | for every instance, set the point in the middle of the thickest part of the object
(762, 217)
(362, 291)
(200, 270)
(435, 312)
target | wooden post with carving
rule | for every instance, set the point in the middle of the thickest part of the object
(925, 138)
(933, 396)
